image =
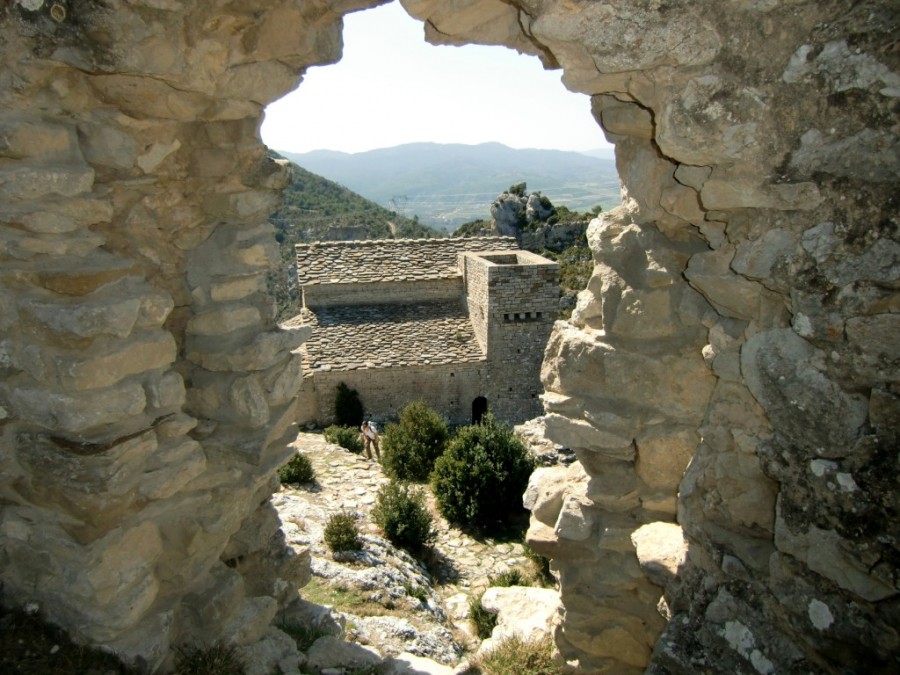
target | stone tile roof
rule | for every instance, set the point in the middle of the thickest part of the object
(384, 336)
(346, 262)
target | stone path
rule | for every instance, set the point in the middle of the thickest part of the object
(349, 482)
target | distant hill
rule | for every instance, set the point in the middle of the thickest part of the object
(447, 185)
(316, 208)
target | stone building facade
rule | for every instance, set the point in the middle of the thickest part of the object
(460, 323)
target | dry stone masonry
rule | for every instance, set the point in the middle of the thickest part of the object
(459, 323)
(731, 368)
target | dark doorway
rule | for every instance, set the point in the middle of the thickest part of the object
(479, 408)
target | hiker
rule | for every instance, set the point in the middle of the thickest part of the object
(370, 438)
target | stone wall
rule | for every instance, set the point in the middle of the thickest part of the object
(386, 391)
(742, 322)
(512, 299)
(388, 292)
(146, 396)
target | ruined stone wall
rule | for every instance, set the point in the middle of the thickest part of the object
(742, 322)
(146, 396)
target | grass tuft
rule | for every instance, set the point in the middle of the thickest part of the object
(515, 655)
(482, 620)
(216, 659)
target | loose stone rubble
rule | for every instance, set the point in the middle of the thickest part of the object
(732, 365)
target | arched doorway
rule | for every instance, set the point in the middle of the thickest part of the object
(479, 409)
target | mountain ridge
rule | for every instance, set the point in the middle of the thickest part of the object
(449, 184)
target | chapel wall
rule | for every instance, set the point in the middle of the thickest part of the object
(384, 392)
(382, 293)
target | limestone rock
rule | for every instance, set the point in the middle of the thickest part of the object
(527, 612)
(814, 412)
(661, 551)
(330, 652)
(276, 650)
(410, 664)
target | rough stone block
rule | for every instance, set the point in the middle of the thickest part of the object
(813, 413)
(737, 193)
(224, 320)
(109, 361)
(661, 458)
(527, 612)
(27, 181)
(98, 314)
(661, 550)
(78, 414)
(832, 556)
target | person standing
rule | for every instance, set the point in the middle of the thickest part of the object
(371, 439)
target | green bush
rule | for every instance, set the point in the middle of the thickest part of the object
(348, 409)
(346, 437)
(219, 659)
(341, 533)
(401, 513)
(298, 470)
(410, 447)
(480, 479)
(482, 620)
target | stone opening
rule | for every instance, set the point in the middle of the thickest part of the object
(479, 409)
(741, 320)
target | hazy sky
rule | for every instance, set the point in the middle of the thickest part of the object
(391, 87)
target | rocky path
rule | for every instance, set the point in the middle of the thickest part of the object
(459, 568)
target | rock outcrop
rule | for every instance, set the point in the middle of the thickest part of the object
(732, 365)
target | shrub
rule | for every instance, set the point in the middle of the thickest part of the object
(346, 437)
(348, 409)
(410, 447)
(341, 533)
(219, 659)
(482, 620)
(401, 513)
(480, 479)
(297, 470)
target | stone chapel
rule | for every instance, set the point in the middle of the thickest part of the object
(459, 323)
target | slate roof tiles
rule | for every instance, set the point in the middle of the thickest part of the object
(345, 262)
